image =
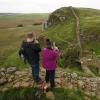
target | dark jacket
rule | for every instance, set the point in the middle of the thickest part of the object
(30, 50)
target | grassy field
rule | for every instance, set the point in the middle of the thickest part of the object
(11, 21)
(11, 35)
(90, 29)
(29, 94)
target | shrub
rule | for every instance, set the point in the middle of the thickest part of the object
(20, 25)
(37, 23)
(94, 69)
(71, 56)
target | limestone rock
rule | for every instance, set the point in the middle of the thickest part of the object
(11, 78)
(3, 81)
(17, 85)
(25, 84)
(11, 70)
(2, 70)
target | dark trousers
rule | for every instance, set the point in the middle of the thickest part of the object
(35, 72)
(50, 77)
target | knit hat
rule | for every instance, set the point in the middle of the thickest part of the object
(48, 43)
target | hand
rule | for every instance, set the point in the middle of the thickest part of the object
(56, 48)
(36, 41)
(22, 56)
(61, 54)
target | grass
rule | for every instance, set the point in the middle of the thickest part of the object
(95, 46)
(94, 69)
(29, 94)
(25, 19)
(11, 36)
(90, 26)
(19, 94)
(62, 34)
(10, 43)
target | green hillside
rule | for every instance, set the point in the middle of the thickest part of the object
(90, 28)
(65, 36)
(64, 32)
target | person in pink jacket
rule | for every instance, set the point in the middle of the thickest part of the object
(49, 56)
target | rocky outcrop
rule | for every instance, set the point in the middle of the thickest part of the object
(7, 74)
(60, 15)
(14, 78)
(91, 85)
(3, 81)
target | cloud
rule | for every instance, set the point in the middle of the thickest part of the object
(30, 6)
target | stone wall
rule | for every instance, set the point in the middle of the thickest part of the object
(14, 78)
(91, 85)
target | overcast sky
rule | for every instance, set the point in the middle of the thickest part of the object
(40, 6)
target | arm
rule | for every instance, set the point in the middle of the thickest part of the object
(36, 47)
(56, 52)
(21, 50)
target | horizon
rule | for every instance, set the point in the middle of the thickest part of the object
(44, 6)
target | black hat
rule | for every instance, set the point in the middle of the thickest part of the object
(48, 43)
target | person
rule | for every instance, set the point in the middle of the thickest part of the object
(49, 56)
(30, 50)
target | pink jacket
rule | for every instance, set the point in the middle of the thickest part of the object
(49, 58)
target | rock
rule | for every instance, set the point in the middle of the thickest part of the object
(58, 81)
(74, 75)
(83, 79)
(22, 73)
(2, 70)
(11, 70)
(11, 78)
(93, 86)
(57, 76)
(25, 84)
(27, 79)
(3, 81)
(93, 79)
(17, 85)
(69, 77)
(64, 75)
(81, 84)
(98, 89)
(89, 59)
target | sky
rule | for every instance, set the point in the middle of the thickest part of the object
(43, 6)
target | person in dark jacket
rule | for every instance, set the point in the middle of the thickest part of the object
(30, 50)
